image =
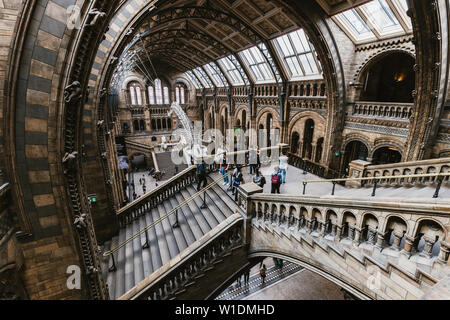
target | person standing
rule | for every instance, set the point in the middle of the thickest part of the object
(252, 161)
(237, 181)
(262, 273)
(201, 175)
(259, 179)
(224, 171)
(276, 181)
(283, 167)
(247, 277)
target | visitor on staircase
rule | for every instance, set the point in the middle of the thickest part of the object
(237, 181)
(283, 166)
(276, 180)
(201, 175)
(259, 179)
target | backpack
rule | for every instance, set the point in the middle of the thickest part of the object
(262, 272)
(275, 178)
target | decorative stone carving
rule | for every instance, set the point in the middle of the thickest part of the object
(80, 221)
(95, 14)
(69, 161)
(73, 92)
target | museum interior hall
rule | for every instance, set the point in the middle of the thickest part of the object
(224, 150)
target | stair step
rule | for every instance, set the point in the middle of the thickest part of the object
(196, 212)
(189, 218)
(129, 260)
(120, 263)
(183, 234)
(161, 238)
(137, 254)
(168, 233)
(146, 258)
(212, 221)
(153, 240)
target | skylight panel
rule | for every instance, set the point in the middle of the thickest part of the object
(193, 79)
(231, 71)
(203, 77)
(356, 22)
(214, 75)
(298, 54)
(257, 65)
(375, 20)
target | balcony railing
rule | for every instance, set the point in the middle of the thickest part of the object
(388, 110)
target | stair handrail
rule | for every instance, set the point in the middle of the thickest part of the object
(162, 218)
(380, 177)
(375, 179)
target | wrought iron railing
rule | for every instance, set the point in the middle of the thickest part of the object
(312, 167)
(396, 180)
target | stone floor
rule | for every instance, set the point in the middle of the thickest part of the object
(303, 285)
(291, 283)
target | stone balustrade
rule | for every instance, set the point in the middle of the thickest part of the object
(137, 208)
(413, 228)
(311, 88)
(353, 243)
(177, 276)
(431, 166)
(398, 111)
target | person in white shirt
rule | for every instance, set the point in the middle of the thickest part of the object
(283, 166)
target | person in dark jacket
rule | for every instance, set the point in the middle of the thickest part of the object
(201, 175)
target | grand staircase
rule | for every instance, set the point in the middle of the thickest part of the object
(134, 264)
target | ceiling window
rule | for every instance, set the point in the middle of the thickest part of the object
(203, 77)
(375, 20)
(298, 54)
(257, 65)
(231, 71)
(194, 80)
(213, 72)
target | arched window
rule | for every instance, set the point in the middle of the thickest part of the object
(166, 95)
(158, 89)
(151, 95)
(139, 96)
(182, 96)
(133, 95)
(177, 95)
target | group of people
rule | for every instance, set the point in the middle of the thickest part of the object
(278, 177)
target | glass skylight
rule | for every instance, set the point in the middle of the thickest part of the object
(231, 71)
(375, 20)
(257, 64)
(203, 77)
(298, 54)
(214, 75)
(194, 80)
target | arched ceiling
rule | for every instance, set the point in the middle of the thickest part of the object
(191, 33)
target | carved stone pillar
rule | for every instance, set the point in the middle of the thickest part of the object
(351, 233)
(407, 249)
(371, 235)
(428, 247)
(322, 229)
(357, 239)
(444, 253)
(380, 241)
(338, 233)
(397, 240)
